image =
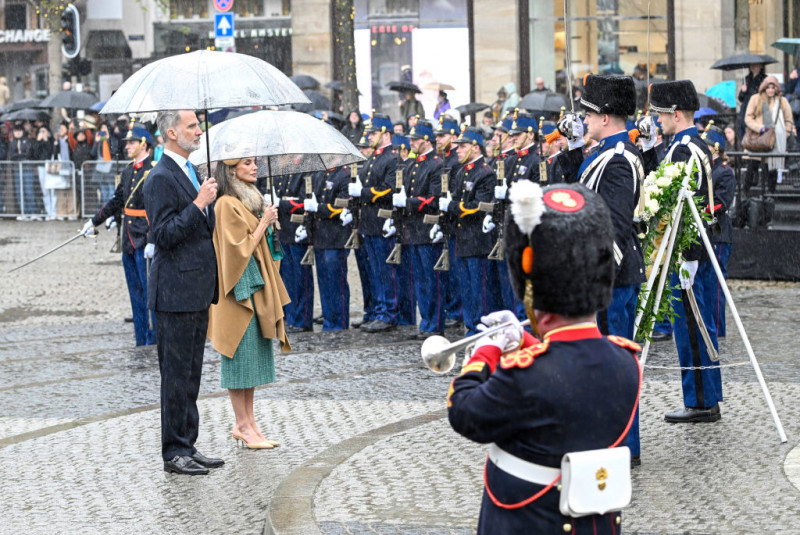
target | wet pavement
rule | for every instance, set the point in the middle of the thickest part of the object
(365, 443)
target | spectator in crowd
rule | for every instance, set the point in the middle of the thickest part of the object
(411, 106)
(731, 141)
(204, 124)
(65, 206)
(770, 109)
(159, 148)
(5, 94)
(20, 149)
(42, 148)
(539, 86)
(104, 149)
(82, 149)
(119, 131)
(399, 128)
(749, 88)
(45, 148)
(353, 127)
(509, 98)
(3, 140)
(793, 95)
(442, 106)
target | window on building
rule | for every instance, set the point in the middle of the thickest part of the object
(393, 8)
(188, 9)
(16, 17)
(249, 8)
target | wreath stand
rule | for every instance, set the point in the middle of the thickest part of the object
(665, 248)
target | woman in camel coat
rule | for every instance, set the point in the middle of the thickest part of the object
(769, 109)
(251, 294)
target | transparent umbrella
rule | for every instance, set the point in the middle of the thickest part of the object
(204, 80)
(284, 142)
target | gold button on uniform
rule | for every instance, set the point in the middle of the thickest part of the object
(619, 519)
(567, 528)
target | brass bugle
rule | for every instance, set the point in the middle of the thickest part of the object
(439, 354)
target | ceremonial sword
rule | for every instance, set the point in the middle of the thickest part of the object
(712, 351)
(568, 59)
(54, 249)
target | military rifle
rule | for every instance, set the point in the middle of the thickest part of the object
(542, 158)
(443, 263)
(308, 221)
(354, 205)
(499, 213)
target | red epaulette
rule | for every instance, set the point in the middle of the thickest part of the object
(524, 357)
(624, 342)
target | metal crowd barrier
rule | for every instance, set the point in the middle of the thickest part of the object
(38, 189)
(98, 182)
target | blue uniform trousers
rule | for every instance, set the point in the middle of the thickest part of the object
(701, 388)
(452, 296)
(135, 267)
(713, 291)
(390, 285)
(334, 292)
(362, 262)
(428, 288)
(480, 289)
(299, 282)
(510, 301)
(618, 320)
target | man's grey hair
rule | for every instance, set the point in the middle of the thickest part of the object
(166, 120)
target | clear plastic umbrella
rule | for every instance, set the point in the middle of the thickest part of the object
(204, 80)
(284, 142)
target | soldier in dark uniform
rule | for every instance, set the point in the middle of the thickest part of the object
(331, 232)
(524, 128)
(401, 147)
(374, 187)
(724, 184)
(446, 132)
(615, 172)
(128, 200)
(422, 185)
(298, 278)
(675, 103)
(362, 260)
(473, 185)
(576, 390)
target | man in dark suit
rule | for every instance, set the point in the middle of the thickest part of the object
(183, 284)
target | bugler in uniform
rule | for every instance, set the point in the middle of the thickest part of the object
(675, 103)
(474, 184)
(422, 183)
(574, 391)
(128, 201)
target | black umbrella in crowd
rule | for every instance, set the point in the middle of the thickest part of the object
(73, 100)
(27, 114)
(544, 101)
(716, 104)
(305, 81)
(403, 87)
(22, 104)
(318, 102)
(743, 61)
(472, 107)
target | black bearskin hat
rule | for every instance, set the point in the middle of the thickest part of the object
(614, 95)
(573, 248)
(666, 97)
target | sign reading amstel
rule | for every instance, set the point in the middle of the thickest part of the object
(24, 36)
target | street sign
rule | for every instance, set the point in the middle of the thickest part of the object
(223, 5)
(223, 25)
(226, 44)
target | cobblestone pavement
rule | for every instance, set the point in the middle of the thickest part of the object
(79, 426)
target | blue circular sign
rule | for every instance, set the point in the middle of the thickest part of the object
(223, 5)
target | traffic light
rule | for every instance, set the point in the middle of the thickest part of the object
(70, 32)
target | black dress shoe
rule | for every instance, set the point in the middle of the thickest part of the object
(128, 320)
(208, 462)
(449, 323)
(659, 336)
(319, 320)
(377, 326)
(636, 460)
(355, 324)
(690, 414)
(293, 329)
(183, 464)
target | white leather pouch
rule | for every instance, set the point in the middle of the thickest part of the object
(595, 482)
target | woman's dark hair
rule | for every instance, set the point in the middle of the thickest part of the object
(224, 176)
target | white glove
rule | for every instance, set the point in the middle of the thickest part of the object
(346, 216)
(500, 191)
(436, 234)
(488, 224)
(88, 229)
(389, 229)
(647, 132)
(111, 223)
(300, 234)
(687, 272)
(149, 250)
(311, 205)
(507, 339)
(444, 202)
(399, 199)
(571, 127)
(354, 188)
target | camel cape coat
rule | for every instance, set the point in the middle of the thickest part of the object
(235, 244)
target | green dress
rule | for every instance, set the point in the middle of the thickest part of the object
(253, 363)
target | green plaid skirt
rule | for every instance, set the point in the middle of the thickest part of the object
(253, 363)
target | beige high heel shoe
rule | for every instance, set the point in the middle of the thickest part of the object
(267, 445)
